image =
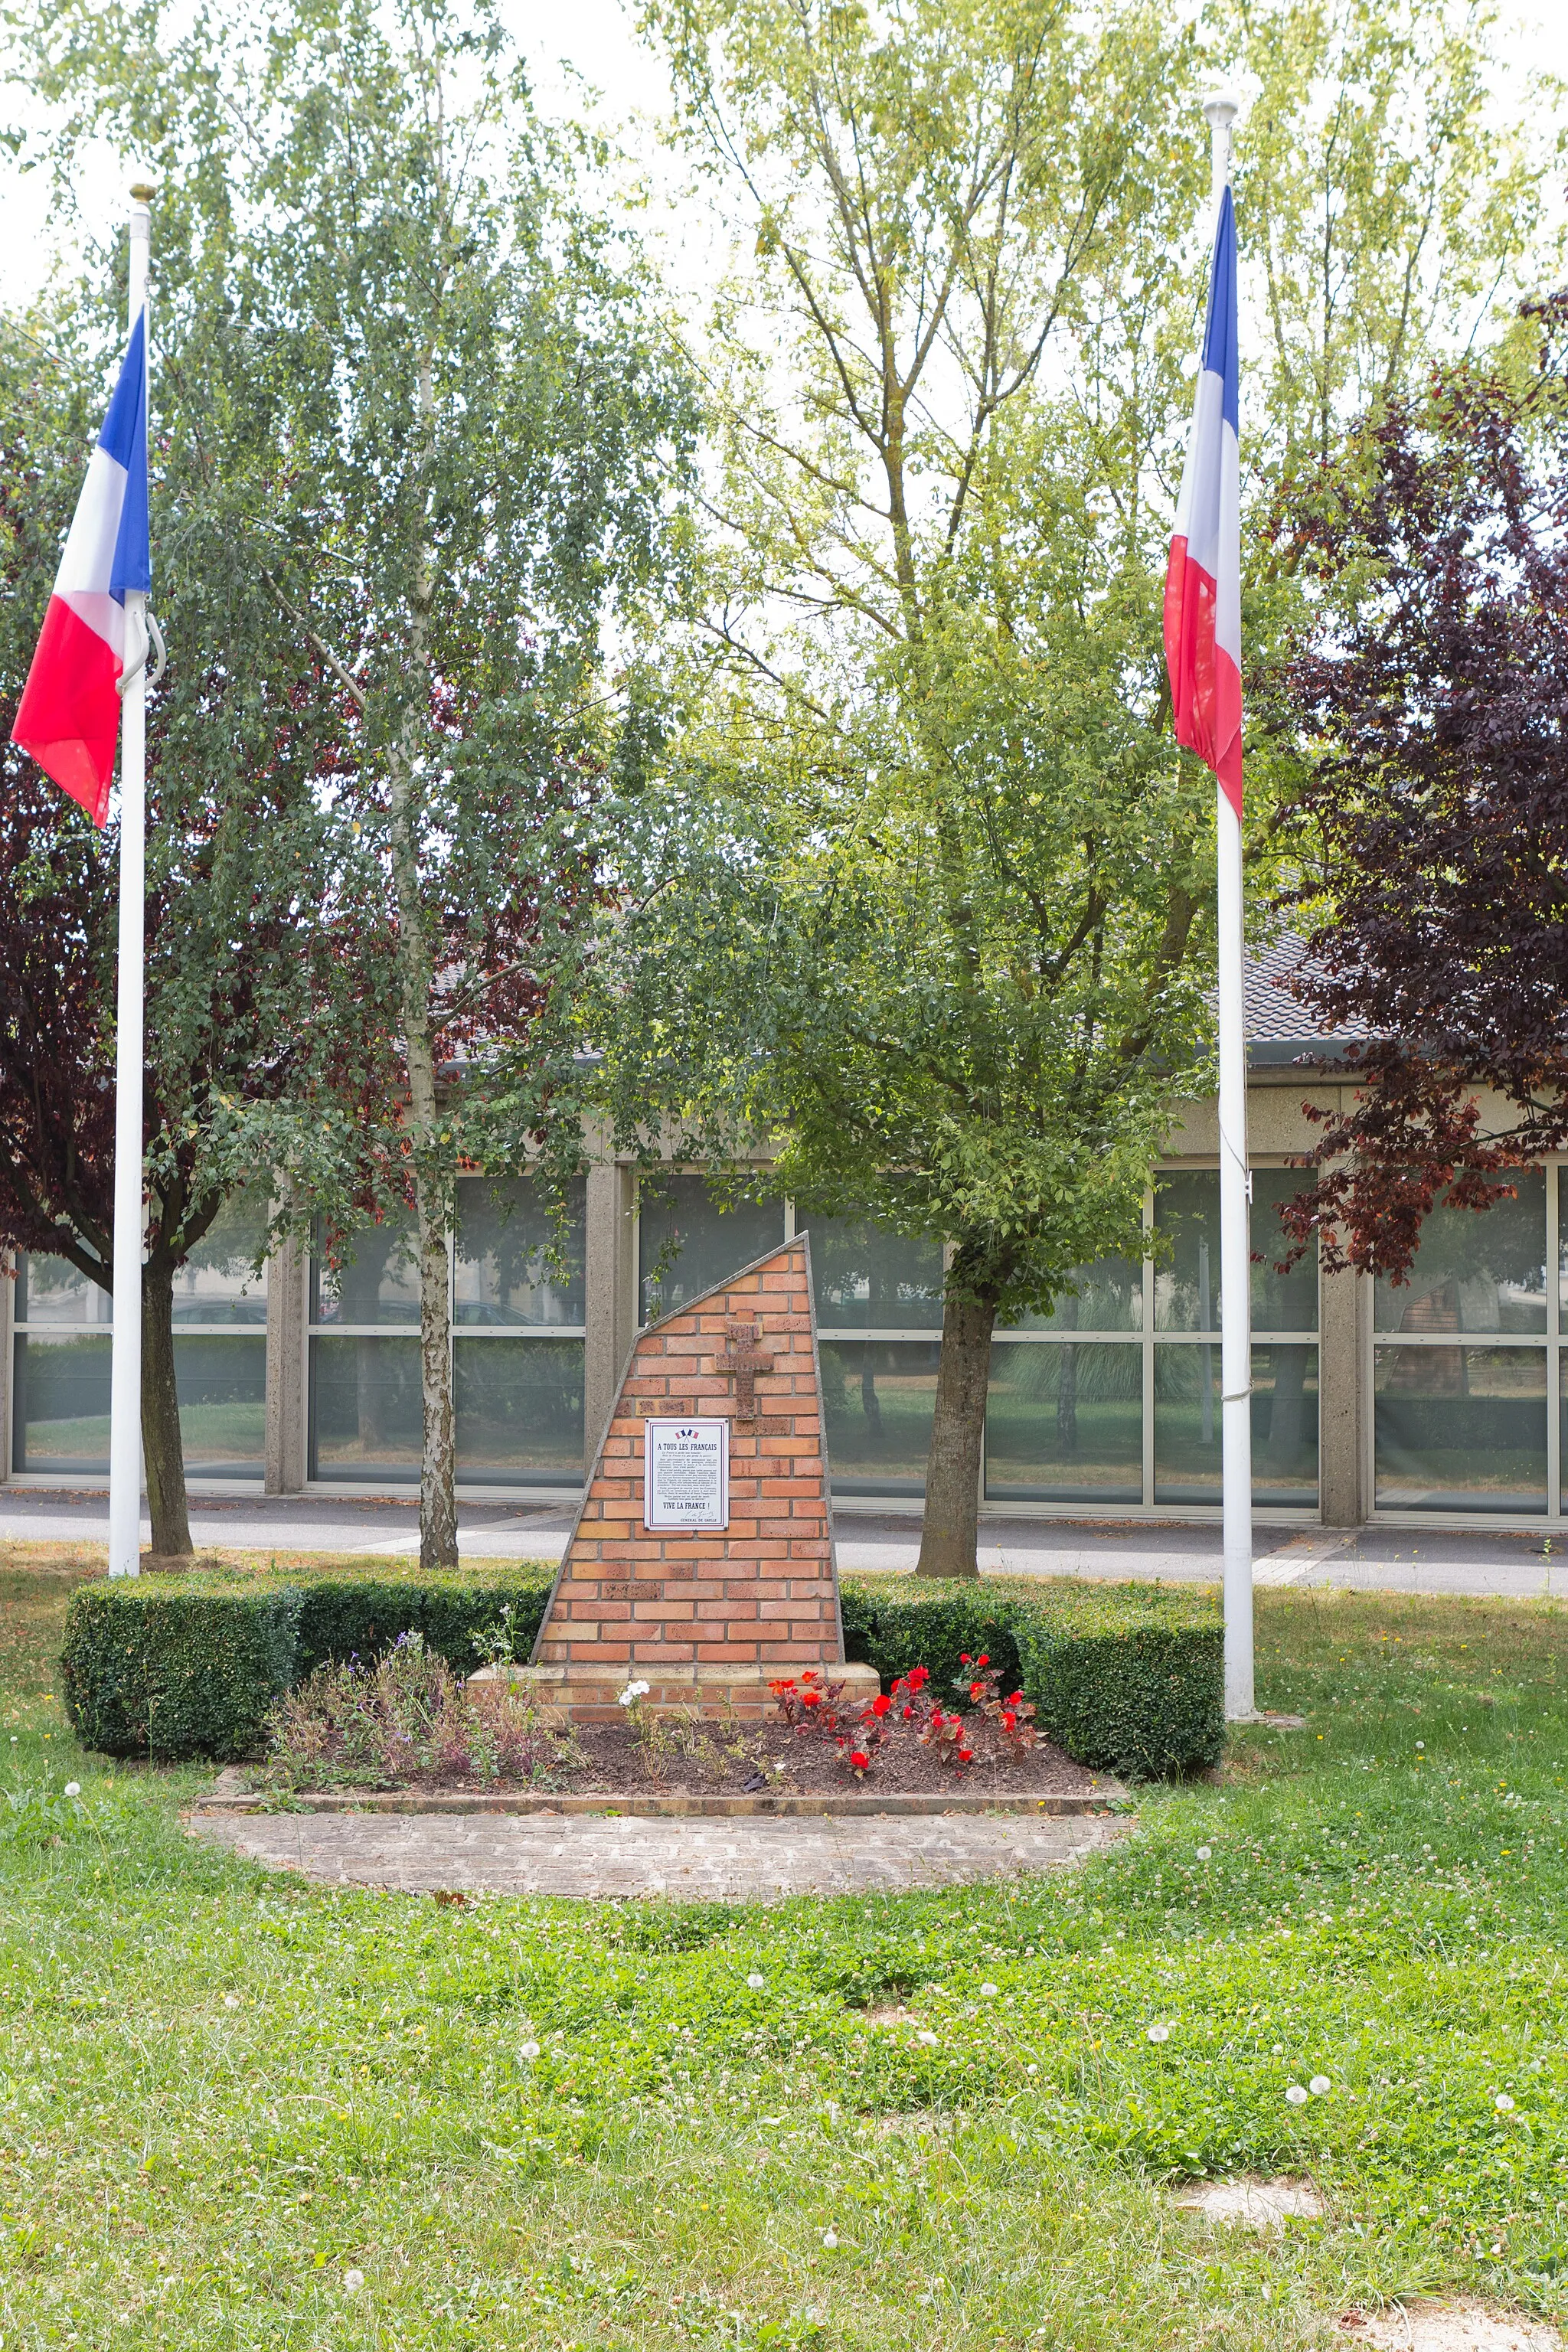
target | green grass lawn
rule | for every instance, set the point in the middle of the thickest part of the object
(224, 2093)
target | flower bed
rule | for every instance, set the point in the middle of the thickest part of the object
(406, 1720)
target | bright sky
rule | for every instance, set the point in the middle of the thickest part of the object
(592, 44)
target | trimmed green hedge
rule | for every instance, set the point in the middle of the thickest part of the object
(189, 1667)
(1129, 1678)
(153, 1672)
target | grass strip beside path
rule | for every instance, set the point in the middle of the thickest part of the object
(946, 2119)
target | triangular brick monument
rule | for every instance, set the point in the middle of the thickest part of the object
(702, 1561)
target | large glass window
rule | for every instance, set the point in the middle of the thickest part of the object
(690, 1239)
(59, 1407)
(878, 1396)
(516, 1294)
(1461, 1429)
(1479, 1271)
(59, 1424)
(513, 1267)
(219, 1282)
(1187, 1448)
(1065, 1424)
(1461, 1368)
(1108, 1418)
(866, 1277)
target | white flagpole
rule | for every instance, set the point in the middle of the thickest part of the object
(1234, 1182)
(125, 1378)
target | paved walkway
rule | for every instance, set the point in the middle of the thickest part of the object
(597, 1856)
(1375, 1559)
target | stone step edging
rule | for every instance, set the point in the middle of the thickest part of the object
(832, 1806)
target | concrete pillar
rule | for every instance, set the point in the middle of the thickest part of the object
(1344, 1403)
(288, 1275)
(610, 1292)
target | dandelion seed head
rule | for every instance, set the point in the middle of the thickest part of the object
(756, 1979)
(988, 1991)
(830, 2239)
(1159, 2033)
(1503, 2104)
(1296, 2095)
(353, 2282)
(926, 2038)
(1205, 1851)
(528, 2050)
(1317, 2085)
(73, 1788)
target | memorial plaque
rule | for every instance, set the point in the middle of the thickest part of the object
(686, 1473)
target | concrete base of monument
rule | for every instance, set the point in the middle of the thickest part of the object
(578, 1694)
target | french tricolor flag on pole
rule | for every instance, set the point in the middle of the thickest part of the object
(1202, 648)
(69, 718)
(1202, 581)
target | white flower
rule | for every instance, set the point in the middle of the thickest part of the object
(1420, 1746)
(1205, 1851)
(1317, 2085)
(231, 2001)
(633, 1691)
(1159, 2033)
(926, 2038)
(756, 1981)
(1279, 2050)
(1296, 2096)
(73, 1788)
(988, 1992)
(1031, 2070)
(353, 2282)
(1503, 2104)
(830, 2239)
(528, 2050)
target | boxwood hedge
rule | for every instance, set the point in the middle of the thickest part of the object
(1127, 1678)
(172, 1666)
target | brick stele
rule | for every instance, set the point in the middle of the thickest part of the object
(708, 1618)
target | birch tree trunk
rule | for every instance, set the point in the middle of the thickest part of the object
(432, 1183)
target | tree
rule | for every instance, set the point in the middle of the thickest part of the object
(463, 484)
(940, 880)
(929, 909)
(1435, 803)
(245, 918)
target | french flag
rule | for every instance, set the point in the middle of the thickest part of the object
(1203, 582)
(68, 717)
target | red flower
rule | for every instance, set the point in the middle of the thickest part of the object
(1016, 1699)
(918, 1678)
(909, 1711)
(1009, 1720)
(859, 1759)
(983, 1661)
(811, 1699)
(977, 1690)
(937, 1715)
(963, 1658)
(965, 1754)
(880, 1704)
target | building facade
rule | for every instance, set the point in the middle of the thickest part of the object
(1441, 1401)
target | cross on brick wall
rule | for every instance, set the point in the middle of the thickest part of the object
(743, 1360)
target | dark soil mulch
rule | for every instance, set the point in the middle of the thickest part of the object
(706, 1758)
